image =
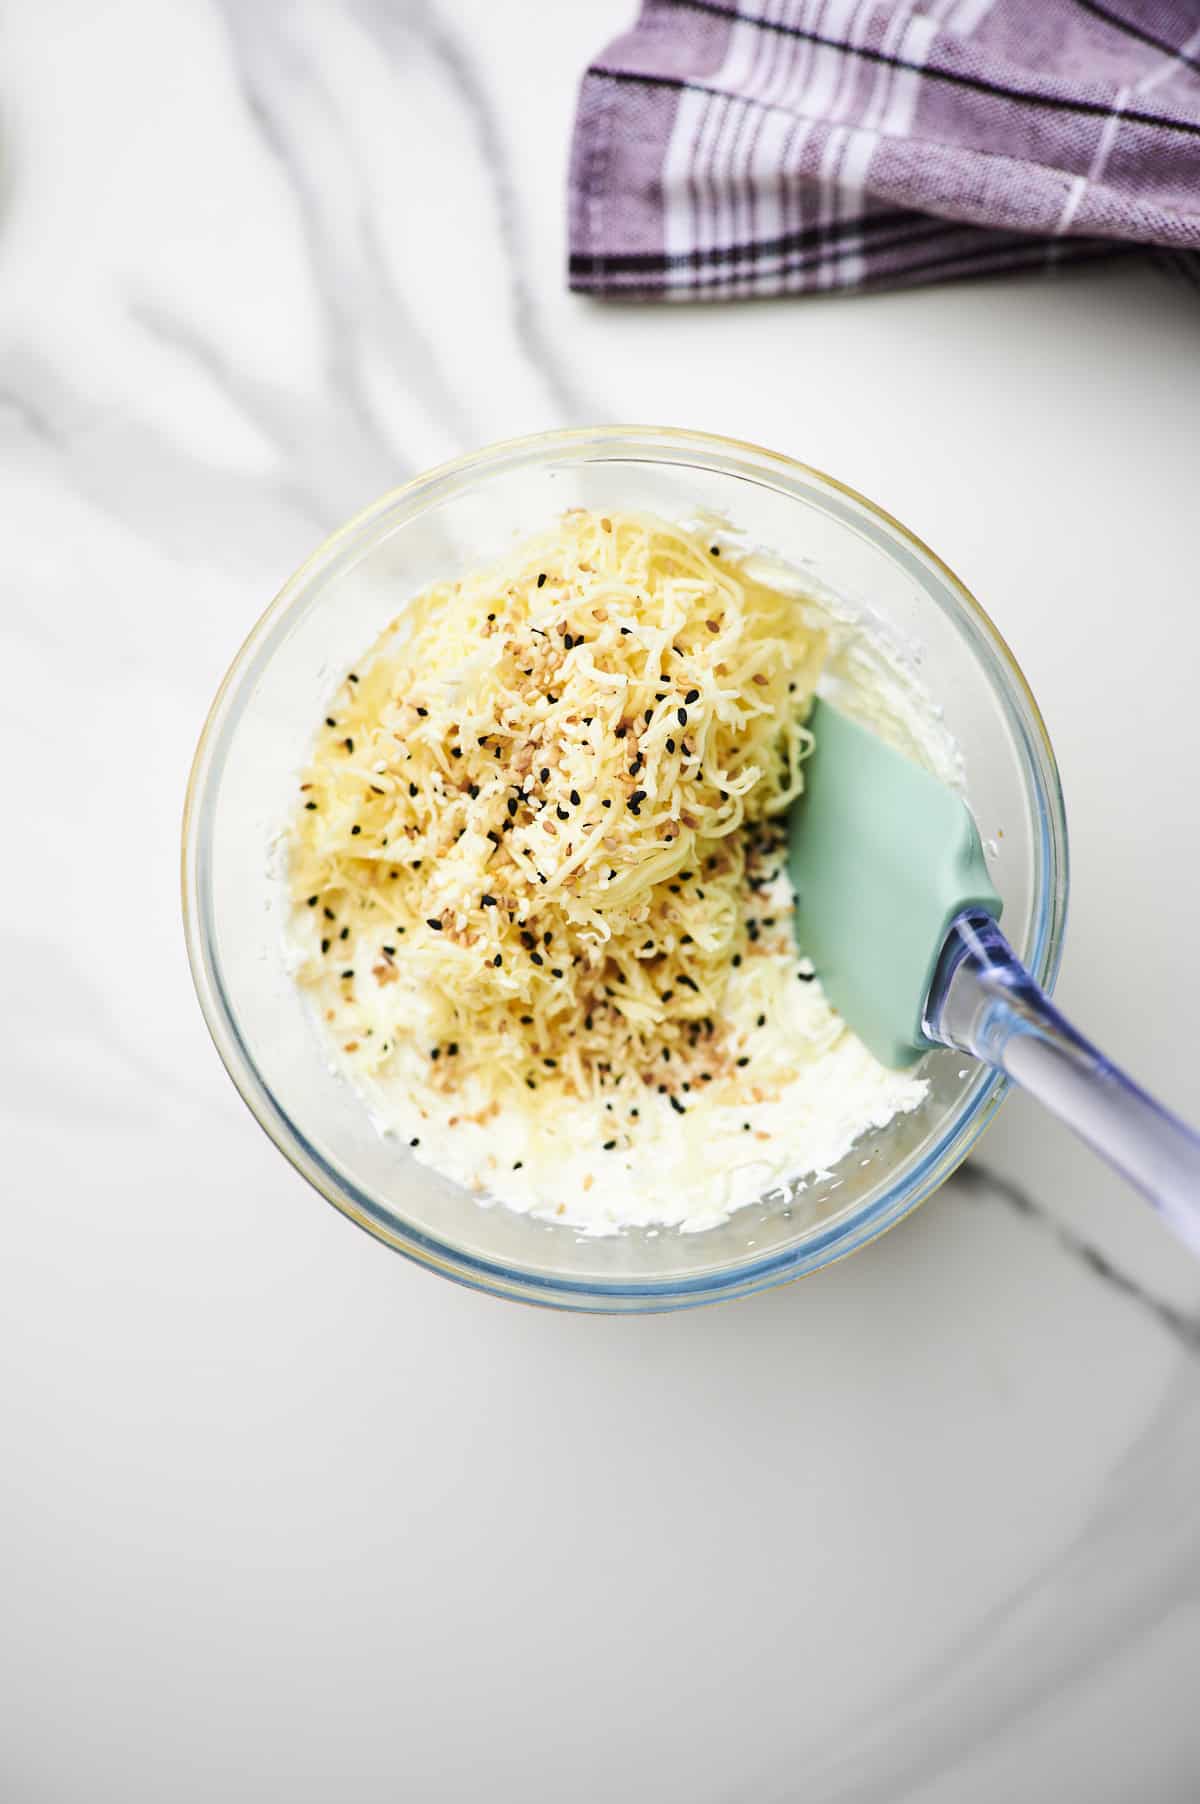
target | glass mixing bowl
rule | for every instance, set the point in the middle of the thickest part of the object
(243, 788)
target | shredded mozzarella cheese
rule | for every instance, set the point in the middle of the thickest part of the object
(523, 863)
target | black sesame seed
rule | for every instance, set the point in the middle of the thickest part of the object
(648, 716)
(344, 934)
(529, 1084)
(805, 976)
(434, 923)
(324, 945)
(681, 716)
(526, 1020)
(491, 616)
(517, 1164)
(349, 744)
(415, 1141)
(575, 798)
(390, 950)
(488, 901)
(544, 774)
(472, 790)
(542, 580)
(329, 914)
(355, 831)
(423, 712)
(736, 959)
(609, 1145)
(537, 958)
(670, 745)
(436, 1053)
(311, 806)
(497, 961)
(456, 751)
(352, 678)
(621, 732)
(562, 813)
(412, 789)
(313, 900)
(743, 1061)
(452, 1049)
(606, 803)
(677, 1105)
(349, 973)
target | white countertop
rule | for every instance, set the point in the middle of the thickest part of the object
(284, 1517)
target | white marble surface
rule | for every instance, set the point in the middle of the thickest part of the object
(283, 1517)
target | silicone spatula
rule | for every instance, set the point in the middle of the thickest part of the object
(896, 910)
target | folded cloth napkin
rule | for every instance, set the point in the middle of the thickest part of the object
(755, 147)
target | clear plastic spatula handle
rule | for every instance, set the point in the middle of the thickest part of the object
(982, 1001)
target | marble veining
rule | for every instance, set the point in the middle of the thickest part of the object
(978, 1179)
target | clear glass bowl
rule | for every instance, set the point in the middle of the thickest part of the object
(243, 787)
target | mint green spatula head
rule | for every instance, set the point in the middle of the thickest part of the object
(882, 857)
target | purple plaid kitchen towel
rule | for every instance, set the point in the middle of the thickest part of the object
(755, 147)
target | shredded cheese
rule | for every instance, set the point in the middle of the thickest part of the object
(524, 858)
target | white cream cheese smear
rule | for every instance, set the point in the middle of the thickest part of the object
(538, 895)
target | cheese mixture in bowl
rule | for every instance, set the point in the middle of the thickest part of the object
(804, 583)
(537, 880)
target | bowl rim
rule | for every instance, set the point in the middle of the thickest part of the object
(843, 1235)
